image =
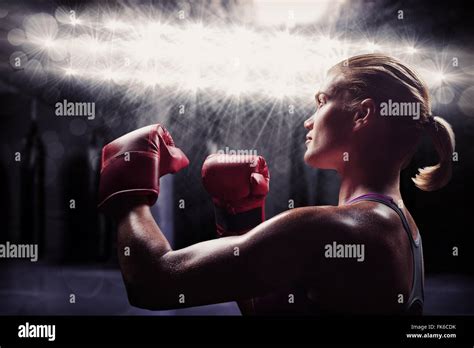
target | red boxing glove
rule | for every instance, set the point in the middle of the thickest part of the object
(132, 165)
(238, 186)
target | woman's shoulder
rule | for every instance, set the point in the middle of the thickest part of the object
(348, 221)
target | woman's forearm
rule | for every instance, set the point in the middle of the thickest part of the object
(141, 244)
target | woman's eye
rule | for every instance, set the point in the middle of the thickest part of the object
(320, 100)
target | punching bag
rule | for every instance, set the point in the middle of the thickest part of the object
(32, 200)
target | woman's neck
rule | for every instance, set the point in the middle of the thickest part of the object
(356, 181)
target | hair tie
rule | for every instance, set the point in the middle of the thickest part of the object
(432, 122)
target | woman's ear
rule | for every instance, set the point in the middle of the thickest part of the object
(365, 113)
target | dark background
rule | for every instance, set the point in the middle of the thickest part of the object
(71, 151)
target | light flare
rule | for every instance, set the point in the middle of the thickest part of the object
(142, 52)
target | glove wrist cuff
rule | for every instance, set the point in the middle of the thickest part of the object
(239, 222)
(119, 178)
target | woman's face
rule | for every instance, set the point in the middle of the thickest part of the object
(329, 130)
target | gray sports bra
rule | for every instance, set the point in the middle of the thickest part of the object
(414, 305)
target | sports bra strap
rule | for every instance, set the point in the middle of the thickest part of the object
(416, 298)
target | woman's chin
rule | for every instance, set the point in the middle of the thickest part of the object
(310, 159)
(315, 161)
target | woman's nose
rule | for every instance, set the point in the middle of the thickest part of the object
(308, 124)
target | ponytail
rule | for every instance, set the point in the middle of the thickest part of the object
(435, 177)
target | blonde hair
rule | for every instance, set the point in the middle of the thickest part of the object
(381, 77)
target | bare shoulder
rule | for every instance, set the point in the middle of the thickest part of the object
(347, 222)
(304, 234)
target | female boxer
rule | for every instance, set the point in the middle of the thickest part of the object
(363, 256)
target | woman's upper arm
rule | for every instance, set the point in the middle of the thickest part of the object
(271, 256)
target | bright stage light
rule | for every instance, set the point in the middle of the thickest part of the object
(439, 77)
(70, 72)
(115, 25)
(48, 43)
(142, 52)
(75, 21)
(372, 47)
(411, 50)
